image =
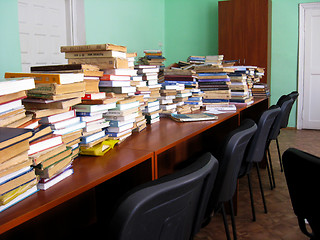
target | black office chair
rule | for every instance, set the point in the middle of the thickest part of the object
(171, 207)
(256, 150)
(229, 166)
(302, 173)
(275, 131)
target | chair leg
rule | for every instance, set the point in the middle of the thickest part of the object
(233, 221)
(271, 168)
(268, 168)
(251, 198)
(279, 154)
(261, 189)
(226, 227)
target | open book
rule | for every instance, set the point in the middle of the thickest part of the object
(193, 117)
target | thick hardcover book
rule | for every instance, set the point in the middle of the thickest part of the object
(96, 54)
(34, 103)
(93, 47)
(64, 67)
(56, 89)
(44, 143)
(60, 78)
(9, 136)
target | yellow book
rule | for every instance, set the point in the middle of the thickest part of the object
(99, 149)
(59, 78)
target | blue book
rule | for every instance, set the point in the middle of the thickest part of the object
(215, 100)
(212, 74)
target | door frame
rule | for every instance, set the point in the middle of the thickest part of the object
(301, 60)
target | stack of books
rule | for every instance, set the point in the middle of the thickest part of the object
(131, 57)
(195, 99)
(216, 60)
(152, 57)
(91, 73)
(151, 92)
(17, 177)
(152, 111)
(12, 91)
(105, 56)
(167, 97)
(182, 76)
(51, 102)
(196, 59)
(123, 119)
(260, 90)
(214, 82)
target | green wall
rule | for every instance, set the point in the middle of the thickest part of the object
(10, 59)
(284, 51)
(138, 24)
(191, 28)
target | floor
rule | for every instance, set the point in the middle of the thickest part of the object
(280, 221)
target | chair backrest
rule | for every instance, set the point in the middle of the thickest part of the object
(282, 118)
(258, 143)
(171, 207)
(229, 165)
(294, 95)
(302, 176)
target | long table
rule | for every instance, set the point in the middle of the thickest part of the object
(98, 182)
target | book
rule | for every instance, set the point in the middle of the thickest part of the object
(113, 83)
(13, 150)
(14, 85)
(99, 149)
(93, 47)
(64, 123)
(45, 184)
(14, 164)
(92, 137)
(60, 78)
(46, 154)
(54, 97)
(54, 168)
(96, 54)
(57, 89)
(40, 131)
(34, 103)
(100, 124)
(109, 77)
(15, 104)
(118, 89)
(58, 117)
(193, 117)
(10, 136)
(16, 179)
(102, 63)
(19, 198)
(121, 71)
(125, 106)
(40, 113)
(70, 128)
(32, 124)
(120, 129)
(94, 108)
(53, 159)
(65, 68)
(94, 96)
(12, 96)
(98, 101)
(44, 143)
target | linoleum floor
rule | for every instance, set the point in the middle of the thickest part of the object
(280, 221)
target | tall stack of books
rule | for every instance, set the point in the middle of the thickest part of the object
(54, 96)
(152, 57)
(168, 94)
(17, 178)
(149, 75)
(131, 59)
(12, 91)
(214, 82)
(123, 118)
(195, 99)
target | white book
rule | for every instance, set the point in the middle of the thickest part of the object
(65, 123)
(122, 118)
(13, 85)
(91, 118)
(120, 129)
(70, 129)
(55, 180)
(166, 101)
(168, 106)
(93, 127)
(116, 83)
(94, 108)
(126, 106)
(121, 71)
(58, 117)
(10, 106)
(93, 137)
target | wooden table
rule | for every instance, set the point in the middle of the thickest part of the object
(98, 182)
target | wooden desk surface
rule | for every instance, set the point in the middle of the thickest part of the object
(88, 173)
(91, 171)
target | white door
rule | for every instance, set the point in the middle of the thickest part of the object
(309, 67)
(44, 26)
